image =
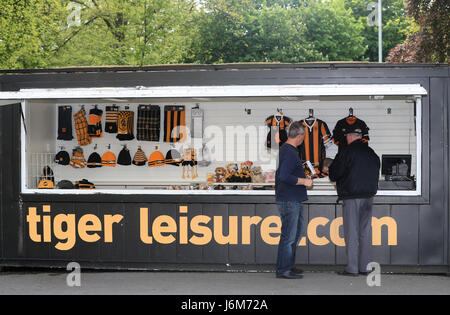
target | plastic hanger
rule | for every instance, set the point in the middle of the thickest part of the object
(311, 115)
(279, 114)
(310, 120)
(350, 112)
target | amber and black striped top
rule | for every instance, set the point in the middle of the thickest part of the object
(312, 149)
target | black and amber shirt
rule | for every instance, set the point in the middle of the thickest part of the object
(278, 129)
(317, 135)
(341, 127)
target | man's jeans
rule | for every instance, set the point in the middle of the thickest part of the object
(291, 213)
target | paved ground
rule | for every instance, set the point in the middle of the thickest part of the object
(216, 283)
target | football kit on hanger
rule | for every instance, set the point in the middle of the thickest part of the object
(340, 130)
(313, 148)
(278, 125)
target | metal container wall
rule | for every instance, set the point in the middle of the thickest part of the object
(422, 223)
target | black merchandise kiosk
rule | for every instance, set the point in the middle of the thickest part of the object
(172, 167)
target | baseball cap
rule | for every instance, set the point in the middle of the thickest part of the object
(353, 129)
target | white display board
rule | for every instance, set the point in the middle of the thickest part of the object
(394, 129)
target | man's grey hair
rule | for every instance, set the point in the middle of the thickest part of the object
(295, 129)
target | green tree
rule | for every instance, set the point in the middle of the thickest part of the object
(396, 25)
(124, 32)
(28, 32)
(36, 33)
(430, 41)
(277, 34)
(219, 32)
(280, 3)
(333, 31)
(276, 31)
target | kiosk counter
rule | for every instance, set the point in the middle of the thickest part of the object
(172, 167)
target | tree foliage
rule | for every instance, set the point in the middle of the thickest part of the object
(249, 31)
(396, 25)
(276, 31)
(54, 33)
(28, 32)
(430, 43)
(128, 32)
(333, 31)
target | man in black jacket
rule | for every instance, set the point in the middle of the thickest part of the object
(356, 171)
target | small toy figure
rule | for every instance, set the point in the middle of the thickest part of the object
(269, 176)
(189, 163)
(194, 163)
(232, 175)
(257, 176)
(219, 176)
(245, 174)
(209, 181)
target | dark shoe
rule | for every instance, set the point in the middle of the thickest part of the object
(297, 271)
(364, 273)
(289, 275)
(345, 273)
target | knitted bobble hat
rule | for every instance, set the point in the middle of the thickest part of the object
(173, 157)
(94, 160)
(109, 159)
(140, 158)
(156, 159)
(124, 157)
(62, 158)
